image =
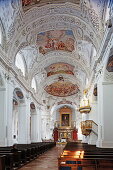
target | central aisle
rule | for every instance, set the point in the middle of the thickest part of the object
(47, 161)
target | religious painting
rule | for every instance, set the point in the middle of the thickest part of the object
(32, 106)
(110, 64)
(59, 68)
(62, 89)
(55, 40)
(65, 120)
(19, 94)
(95, 91)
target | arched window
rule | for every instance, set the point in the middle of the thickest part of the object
(33, 84)
(20, 63)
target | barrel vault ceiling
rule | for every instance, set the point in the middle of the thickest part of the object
(58, 40)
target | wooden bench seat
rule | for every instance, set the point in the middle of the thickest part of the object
(8, 160)
(24, 154)
(16, 157)
(2, 162)
(85, 157)
(96, 163)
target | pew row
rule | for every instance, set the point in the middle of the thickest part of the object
(79, 156)
(23, 155)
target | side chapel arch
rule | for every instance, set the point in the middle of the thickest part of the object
(18, 101)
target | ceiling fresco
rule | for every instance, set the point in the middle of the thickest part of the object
(55, 40)
(110, 64)
(27, 4)
(59, 68)
(71, 31)
(62, 89)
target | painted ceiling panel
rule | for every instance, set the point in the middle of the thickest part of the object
(27, 4)
(55, 40)
(62, 89)
(59, 68)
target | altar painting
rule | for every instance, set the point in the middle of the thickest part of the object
(65, 120)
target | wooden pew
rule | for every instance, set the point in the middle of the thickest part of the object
(2, 162)
(8, 160)
(16, 157)
(85, 157)
(88, 163)
(24, 154)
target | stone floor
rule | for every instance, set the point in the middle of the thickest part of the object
(47, 161)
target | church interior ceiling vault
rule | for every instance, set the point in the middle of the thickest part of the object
(58, 41)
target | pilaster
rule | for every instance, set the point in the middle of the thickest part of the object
(105, 110)
(3, 117)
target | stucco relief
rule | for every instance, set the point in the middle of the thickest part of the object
(80, 26)
(1, 81)
(61, 57)
(43, 11)
(87, 13)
